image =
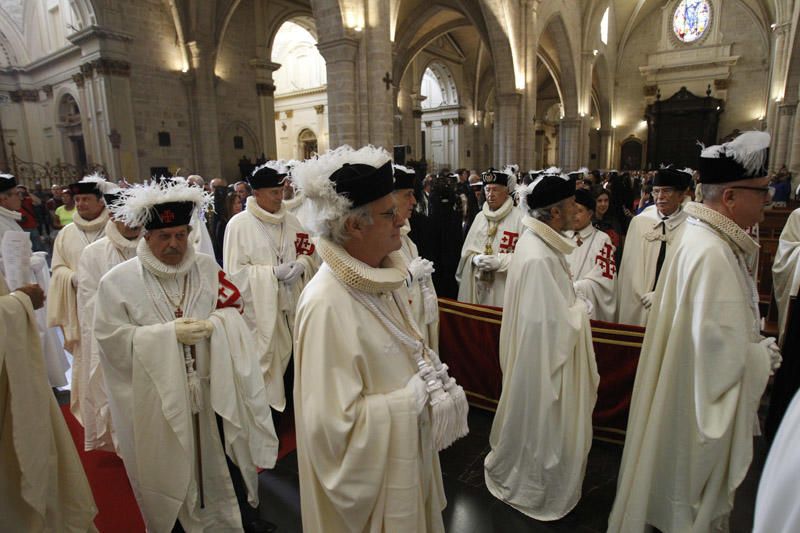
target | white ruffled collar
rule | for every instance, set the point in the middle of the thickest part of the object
(163, 270)
(724, 226)
(406, 229)
(359, 275)
(550, 236)
(501, 213)
(262, 214)
(8, 213)
(118, 240)
(91, 225)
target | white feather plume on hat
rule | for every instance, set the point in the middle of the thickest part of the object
(407, 170)
(311, 177)
(281, 166)
(135, 208)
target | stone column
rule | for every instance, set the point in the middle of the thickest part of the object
(781, 141)
(604, 157)
(205, 110)
(569, 143)
(265, 89)
(528, 158)
(506, 129)
(340, 62)
(416, 113)
(793, 160)
(377, 82)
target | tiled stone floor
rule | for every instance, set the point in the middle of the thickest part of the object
(471, 509)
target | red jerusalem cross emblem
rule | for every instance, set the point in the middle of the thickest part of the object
(302, 245)
(606, 261)
(509, 242)
(167, 216)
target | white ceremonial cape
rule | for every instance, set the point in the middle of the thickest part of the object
(150, 401)
(505, 223)
(689, 440)
(428, 322)
(62, 307)
(594, 270)
(366, 459)
(43, 486)
(54, 358)
(542, 430)
(97, 259)
(786, 268)
(249, 254)
(777, 506)
(637, 270)
(294, 206)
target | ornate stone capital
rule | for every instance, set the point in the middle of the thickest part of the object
(416, 113)
(265, 89)
(78, 79)
(428, 123)
(721, 85)
(320, 109)
(289, 113)
(445, 121)
(650, 90)
(47, 90)
(24, 95)
(111, 67)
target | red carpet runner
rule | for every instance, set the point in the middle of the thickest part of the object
(117, 508)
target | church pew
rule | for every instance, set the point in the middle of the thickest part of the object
(469, 337)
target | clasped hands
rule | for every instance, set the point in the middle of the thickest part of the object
(289, 272)
(486, 262)
(190, 331)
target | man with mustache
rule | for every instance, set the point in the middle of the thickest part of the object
(185, 391)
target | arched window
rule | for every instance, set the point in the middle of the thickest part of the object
(302, 66)
(604, 28)
(308, 143)
(438, 87)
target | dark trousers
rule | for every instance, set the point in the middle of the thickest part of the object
(288, 387)
(248, 513)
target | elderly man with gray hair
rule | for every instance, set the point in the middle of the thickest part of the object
(542, 430)
(373, 403)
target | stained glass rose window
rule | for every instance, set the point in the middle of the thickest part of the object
(691, 20)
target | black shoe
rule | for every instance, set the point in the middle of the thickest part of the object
(260, 526)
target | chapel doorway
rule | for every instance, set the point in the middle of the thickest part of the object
(71, 126)
(307, 144)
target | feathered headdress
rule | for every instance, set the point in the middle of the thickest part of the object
(742, 158)
(312, 177)
(140, 205)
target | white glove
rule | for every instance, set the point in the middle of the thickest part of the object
(587, 302)
(295, 272)
(282, 271)
(38, 260)
(74, 280)
(191, 331)
(416, 386)
(487, 262)
(774, 351)
(647, 299)
(419, 268)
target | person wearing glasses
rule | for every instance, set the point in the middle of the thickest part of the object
(650, 235)
(704, 363)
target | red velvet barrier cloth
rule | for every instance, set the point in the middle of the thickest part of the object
(469, 337)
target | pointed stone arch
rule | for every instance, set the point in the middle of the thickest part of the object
(567, 69)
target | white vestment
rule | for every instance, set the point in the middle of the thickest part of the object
(256, 241)
(777, 506)
(294, 206)
(702, 371)
(637, 270)
(786, 268)
(199, 235)
(542, 431)
(366, 459)
(150, 398)
(42, 483)
(97, 259)
(495, 230)
(54, 359)
(594, 270)
(424, 303)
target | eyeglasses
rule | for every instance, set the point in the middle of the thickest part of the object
(768, 192)
(666, 191)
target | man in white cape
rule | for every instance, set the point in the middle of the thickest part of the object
(422, 294)
(54, 358)
(270, 257)
(42, 486)
(118, 245)
(490, 243)
(786, 269)
(542, 430)
(184, 386)
(704, 363)
(88, 225)
(373, 404)
(594, 269)
(650, 236)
